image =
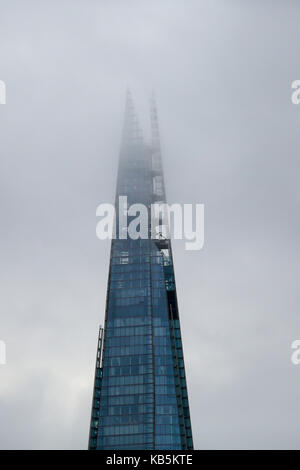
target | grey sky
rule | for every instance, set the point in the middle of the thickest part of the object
(222, 73)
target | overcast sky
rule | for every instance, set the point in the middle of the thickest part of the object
(222, 73)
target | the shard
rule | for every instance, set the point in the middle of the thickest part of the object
(140, 398)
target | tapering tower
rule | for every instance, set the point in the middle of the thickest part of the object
(140, 396)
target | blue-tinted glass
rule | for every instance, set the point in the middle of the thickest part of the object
(140, 398)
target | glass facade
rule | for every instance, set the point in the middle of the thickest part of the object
(140, 396)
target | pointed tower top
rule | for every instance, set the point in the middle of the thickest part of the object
(154, 123)
(132, 133)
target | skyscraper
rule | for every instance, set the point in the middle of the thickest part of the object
(140, 396)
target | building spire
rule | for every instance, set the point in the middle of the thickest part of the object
(156, 150)
(154, 123)
(132, 132)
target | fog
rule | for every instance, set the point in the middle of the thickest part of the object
(222, 73)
